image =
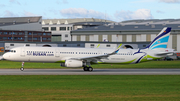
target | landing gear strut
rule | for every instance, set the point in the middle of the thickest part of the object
(22, 68)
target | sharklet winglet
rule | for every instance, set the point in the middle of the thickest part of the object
(117, 50)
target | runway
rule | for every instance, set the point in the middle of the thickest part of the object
(95, 72)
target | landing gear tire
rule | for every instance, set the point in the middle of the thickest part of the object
(90, 69)
(86, 69)
(21, 68)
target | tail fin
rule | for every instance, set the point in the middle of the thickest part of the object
(161, 40)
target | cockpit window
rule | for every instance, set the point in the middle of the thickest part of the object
(12, 51)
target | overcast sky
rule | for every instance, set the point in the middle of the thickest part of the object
(116, 10)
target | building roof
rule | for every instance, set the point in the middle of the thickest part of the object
(18, 20)
(151, 21)
(135, 27)
(73, 21)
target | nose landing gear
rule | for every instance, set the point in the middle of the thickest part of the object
(22, 68)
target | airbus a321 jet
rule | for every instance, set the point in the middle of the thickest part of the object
(83, 57)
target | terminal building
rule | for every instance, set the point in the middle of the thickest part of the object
(61, 28)
(23, 29)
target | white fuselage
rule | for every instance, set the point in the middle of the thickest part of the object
(57, 54)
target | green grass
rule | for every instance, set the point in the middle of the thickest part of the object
(90, 88)
(150, 64)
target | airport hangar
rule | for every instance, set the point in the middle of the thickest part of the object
(88, 32)
(98, 30)
(130, 31)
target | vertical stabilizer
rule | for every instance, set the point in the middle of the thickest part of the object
(161, 40)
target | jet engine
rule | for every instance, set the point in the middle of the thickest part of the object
(72, 63)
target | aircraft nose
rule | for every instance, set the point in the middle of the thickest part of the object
(5, 56)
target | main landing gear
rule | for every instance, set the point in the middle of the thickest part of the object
(22, 68)
(89, 68)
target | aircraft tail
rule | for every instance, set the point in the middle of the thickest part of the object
(161, 40)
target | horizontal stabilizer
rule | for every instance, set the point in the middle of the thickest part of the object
(164, 53)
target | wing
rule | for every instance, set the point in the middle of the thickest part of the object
(98, 57)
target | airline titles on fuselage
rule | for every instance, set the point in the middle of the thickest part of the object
(39, 53)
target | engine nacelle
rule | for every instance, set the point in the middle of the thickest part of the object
(72, 63)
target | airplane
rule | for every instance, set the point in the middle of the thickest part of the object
(84, 57)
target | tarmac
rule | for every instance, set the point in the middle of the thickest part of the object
(94, 72)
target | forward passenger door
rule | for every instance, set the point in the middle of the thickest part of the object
(57, 54)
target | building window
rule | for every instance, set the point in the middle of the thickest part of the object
(0, 37)
(78, 45)
(144, 45)
(108, 45)
(15, 33)
(68, 28)
(66, 40)
(48, 33)
(62, 28)
(15, 38)
(35, 34)
(9, 38)
(48, 38)
(29, 38)
(35, 38)
(27, 44)
(66, 35)
(4, 38)
(29, 33)
(11, 44)
(39, 34)
(44, 33)
(20, 38)
(44, 38)
(10, 33)
(21, 33)
(5, 33)
(46, 28)
(0, 33)
(53, 28)
(64, 45)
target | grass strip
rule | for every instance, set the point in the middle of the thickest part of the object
(90, 87)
